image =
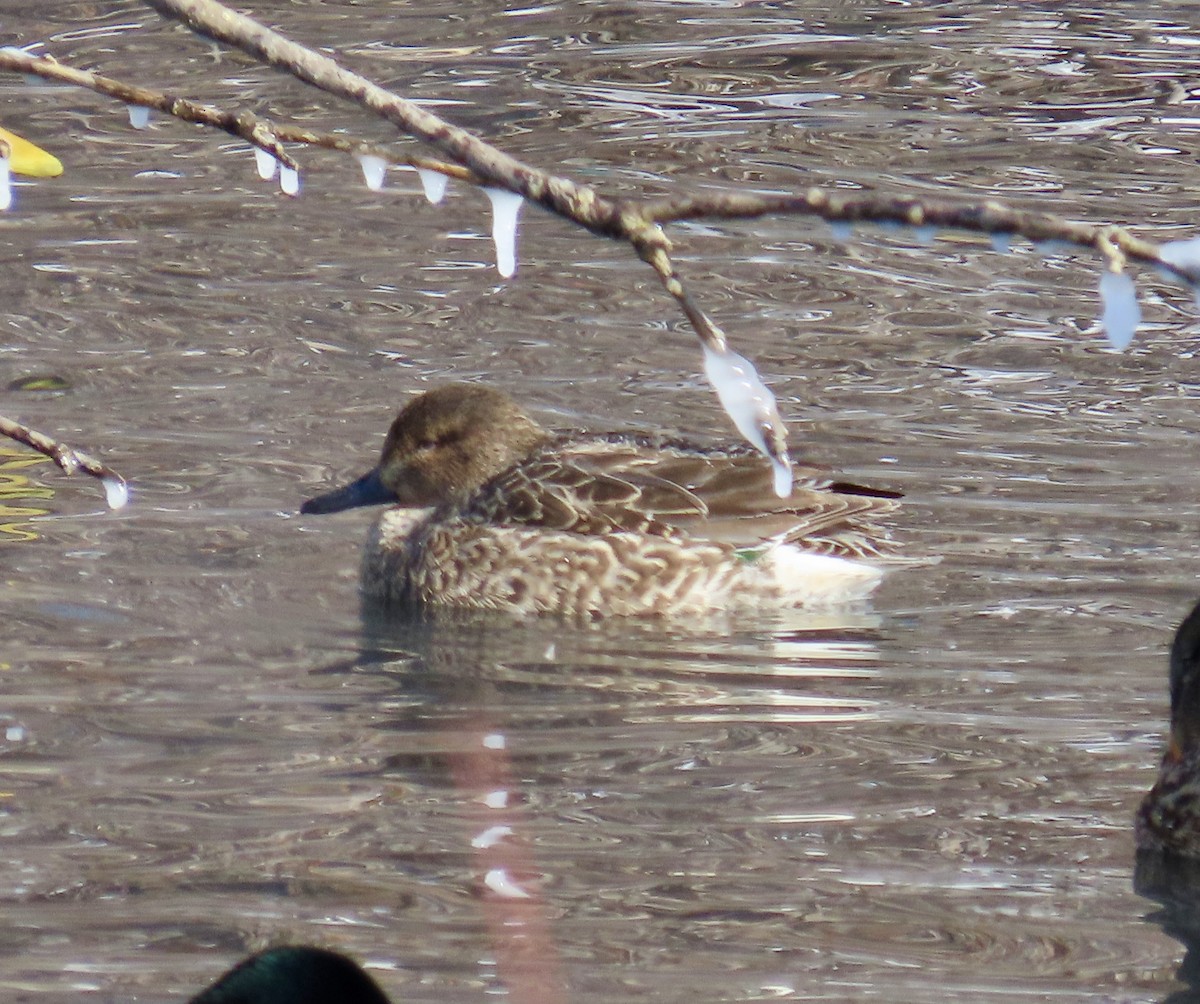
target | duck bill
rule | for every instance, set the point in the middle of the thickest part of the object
(367, 490)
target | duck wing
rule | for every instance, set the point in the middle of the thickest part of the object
(676, 490)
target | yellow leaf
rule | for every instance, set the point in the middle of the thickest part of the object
(25, 158)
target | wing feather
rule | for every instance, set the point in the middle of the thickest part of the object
(610, 484)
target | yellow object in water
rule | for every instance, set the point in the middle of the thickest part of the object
(25, 158)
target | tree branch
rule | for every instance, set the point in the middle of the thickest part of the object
(69, 460)
(748, 403)
(254, 129)
(637, 222)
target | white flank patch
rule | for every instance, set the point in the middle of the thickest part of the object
(821, 580)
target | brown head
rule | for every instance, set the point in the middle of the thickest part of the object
(442, 446)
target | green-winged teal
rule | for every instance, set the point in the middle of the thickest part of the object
(1169, 818)
(491, 511)
(294, 974)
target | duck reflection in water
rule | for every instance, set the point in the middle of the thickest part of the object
(490, 511)
(1174, 882)
(294, 974)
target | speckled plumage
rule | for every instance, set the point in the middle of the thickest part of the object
(1168, 820)
(494, 512)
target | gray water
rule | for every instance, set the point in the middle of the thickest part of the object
(205, 750)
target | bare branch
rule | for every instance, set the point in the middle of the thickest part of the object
(494, 167)
(68, 459)
(254, 129)
(1112, 243)
(750, 404)
(637, 222)
(242, 124)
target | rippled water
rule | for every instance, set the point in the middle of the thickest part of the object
(205, 749)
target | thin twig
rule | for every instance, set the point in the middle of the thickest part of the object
(254, 129)
(494, 167)
(1112, 243)
(69, 460)
(242, 124)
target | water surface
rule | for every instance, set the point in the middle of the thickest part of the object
(205, 749)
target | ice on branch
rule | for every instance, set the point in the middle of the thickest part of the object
(1121, 314)
(433, 183)
(266, 163)
(116, 491)
(289, 180)
(374, 170)
(139, 116)
(1185, 256)
(506, 206)
(750, 403)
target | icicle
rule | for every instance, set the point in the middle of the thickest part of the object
(1001, 243)
(289, 180)
(116, 492)
(749, 402)
(1184, 255)
(5, 185)
(139, 116)
(925, 234)
(266, 163)
(783, 478)
(1121, 314)
(433, 183)
(374, 170)
(505, 207)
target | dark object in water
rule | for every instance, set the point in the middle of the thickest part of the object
(294, 974)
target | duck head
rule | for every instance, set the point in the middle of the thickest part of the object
(298, 974)
(443, 445)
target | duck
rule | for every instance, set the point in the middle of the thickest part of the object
(488, 510)
(294, 974)
(1168, 820)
